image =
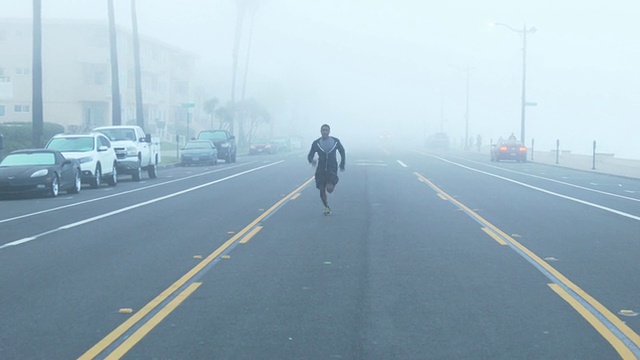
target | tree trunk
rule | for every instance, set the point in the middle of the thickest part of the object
(116, 108)
(36, 100)
(138, 71)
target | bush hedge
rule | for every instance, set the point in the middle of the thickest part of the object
(17, 135)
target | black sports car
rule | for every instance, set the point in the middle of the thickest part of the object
(39, 171)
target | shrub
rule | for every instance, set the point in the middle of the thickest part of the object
(17, 135)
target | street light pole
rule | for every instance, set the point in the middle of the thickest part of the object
(523, 104)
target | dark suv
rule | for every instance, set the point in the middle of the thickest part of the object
(224, 141)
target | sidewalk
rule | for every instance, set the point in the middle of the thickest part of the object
(604, 163)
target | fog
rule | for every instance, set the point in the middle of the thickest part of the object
(401, 67)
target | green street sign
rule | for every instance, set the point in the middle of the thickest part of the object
(188, 105)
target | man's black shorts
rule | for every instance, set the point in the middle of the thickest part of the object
(326, 177)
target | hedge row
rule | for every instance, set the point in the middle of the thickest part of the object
(19, 135)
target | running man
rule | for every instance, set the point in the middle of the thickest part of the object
(327, 170)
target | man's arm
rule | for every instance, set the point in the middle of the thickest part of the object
(312, 152)
(343, 157)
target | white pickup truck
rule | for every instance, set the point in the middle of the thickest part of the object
(135, 150)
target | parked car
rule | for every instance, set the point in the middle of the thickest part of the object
(40, 171)
(136, 150)
(224, 141)
(509, 150)
(199, 152)
(262, 146)
(95, 153)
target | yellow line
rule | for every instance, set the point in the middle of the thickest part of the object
(494, 236)
(442, 196)
(250, 235)
(120, 330)
(295, 196)
(131, 341)
(626, 330)
(617, 344)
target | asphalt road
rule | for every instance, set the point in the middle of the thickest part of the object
(425, 256)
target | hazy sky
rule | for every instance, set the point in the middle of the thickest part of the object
(400, 66)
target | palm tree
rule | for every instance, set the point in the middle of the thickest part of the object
(210, 108)
(116, 111)
(138, 71)
(36, 99)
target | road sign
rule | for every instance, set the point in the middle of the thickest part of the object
(531, 103)
(188, 105)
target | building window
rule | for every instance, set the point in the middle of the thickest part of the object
(1, 71)
(5, 79)
(3, 111)
(23, 71)
(22, 108)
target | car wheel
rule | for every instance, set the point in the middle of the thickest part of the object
(97, 178)
(77, 183)
(137, 175)
(228, 158)
(54, 186)
(113, 179)
(153, 171)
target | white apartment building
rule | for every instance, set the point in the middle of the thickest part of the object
(76, 69)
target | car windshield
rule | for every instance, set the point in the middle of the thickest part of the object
(213, 135)
(120, 134)
(29, 159)
(198, 145)
(72, 144)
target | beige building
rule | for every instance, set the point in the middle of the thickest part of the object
(77, 76)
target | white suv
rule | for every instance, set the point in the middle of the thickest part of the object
(94, 152)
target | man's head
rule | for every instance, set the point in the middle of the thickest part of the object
(325, 130)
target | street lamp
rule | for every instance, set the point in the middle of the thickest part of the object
(524, 33)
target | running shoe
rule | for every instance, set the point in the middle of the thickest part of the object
(327, 210)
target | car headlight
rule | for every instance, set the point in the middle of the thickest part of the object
(85, 159)
(40, 173)
(224, 145)
(132, 151)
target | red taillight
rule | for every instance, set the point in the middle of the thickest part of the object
(522, 148)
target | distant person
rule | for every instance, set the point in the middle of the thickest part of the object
(326, 176)
(479, 142)
(512, 136)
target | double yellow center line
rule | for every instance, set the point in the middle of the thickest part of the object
(185, 283)
(623, 339)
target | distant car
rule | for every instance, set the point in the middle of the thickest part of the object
(262, 146)
(509, 150)
(438, 140)
(95, 153)
(282, 144)
(39, 171)
(199, 152)
(224, 141)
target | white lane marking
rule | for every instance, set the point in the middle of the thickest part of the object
(118, 194)
(366, 164)
(401, 163)
(98, 217)
(544, 178)
(617, 212)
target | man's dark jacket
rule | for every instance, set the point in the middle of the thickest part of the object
(327, 160)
